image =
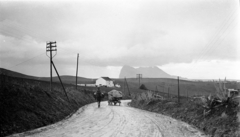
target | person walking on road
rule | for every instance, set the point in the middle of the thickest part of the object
(99, 96)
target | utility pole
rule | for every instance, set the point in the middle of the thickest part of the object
(124, 86)
(50, 47)
(178, 91)
(139, 76)
(163, 85)
(168, 92)
(77, 70)
(127, 87)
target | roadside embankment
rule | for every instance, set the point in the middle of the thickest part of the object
(220, 122)
(28, 104)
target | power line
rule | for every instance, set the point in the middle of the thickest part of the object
(219, 42)
(220, 33)
(215, 38)
(30, 59)
(26, 60)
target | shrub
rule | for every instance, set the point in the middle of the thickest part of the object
(222, 99)
(143, 87)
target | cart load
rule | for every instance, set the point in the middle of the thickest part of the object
(114, 96)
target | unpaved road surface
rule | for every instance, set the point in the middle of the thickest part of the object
(115, 121)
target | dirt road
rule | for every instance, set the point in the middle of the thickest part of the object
(115, 121)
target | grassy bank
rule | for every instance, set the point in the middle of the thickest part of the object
(222, 122)
(28, 104)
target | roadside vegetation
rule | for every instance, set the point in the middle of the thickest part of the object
(28, 104)
(215, 114)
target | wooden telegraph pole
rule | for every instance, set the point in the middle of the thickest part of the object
(168, 92)
(77, 70)
(178, 92)
(124, 86)
(50, 47)
(127, 87)
(139, 76)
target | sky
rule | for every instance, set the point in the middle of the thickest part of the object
(193, 39)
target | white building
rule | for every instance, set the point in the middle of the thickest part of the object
(104, 81)
(87, 85)
(117, 85)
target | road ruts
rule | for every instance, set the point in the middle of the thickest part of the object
(115, 121)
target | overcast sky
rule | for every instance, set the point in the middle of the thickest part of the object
(189, 38)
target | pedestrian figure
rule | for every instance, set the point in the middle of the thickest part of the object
(99, 96)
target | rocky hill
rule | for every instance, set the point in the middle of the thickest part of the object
(147, 72)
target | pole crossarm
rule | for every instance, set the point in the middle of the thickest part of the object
(50, 47)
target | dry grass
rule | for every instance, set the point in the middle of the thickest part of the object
(27, 104)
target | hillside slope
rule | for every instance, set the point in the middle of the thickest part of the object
(27, 103)
(15, 74)
(65, 78)
(187, 88)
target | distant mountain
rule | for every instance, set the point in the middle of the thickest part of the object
(147, 72)
(65, 79)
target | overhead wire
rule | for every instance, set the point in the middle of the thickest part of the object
(10, 32)
(212, 44)
(216, 36)
(31, 59)
(26, 40)
(219, 42)
(26, 60)
(221, 33)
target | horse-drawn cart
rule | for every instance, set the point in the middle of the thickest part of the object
(114, 97)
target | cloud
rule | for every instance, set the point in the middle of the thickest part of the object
(116, 33)
(213, 69)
